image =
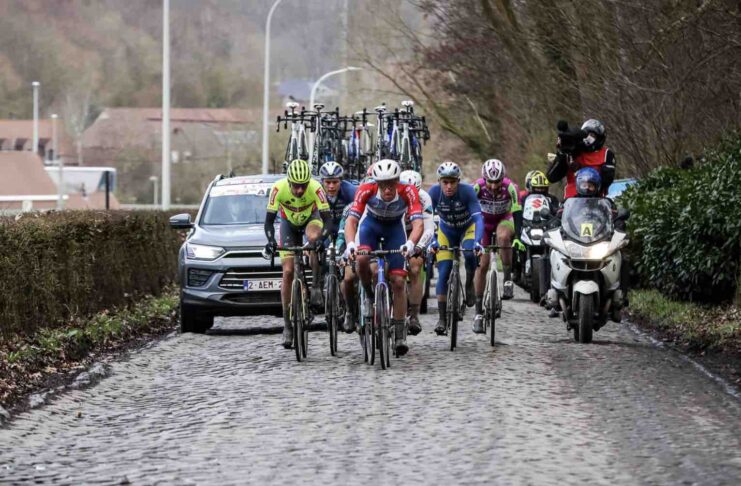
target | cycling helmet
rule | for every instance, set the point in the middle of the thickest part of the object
(594, 134)
(493, 170)
(538, 182)
(299, 172)
(386, 170)
(528, 180)
(449, 169)
(588, 182)
(411, 177)
(331, 170)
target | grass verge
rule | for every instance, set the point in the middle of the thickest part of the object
(28, 362)
(696, 328)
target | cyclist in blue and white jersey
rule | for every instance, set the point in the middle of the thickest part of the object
(461, 224)
(417, 260)
(340, 193)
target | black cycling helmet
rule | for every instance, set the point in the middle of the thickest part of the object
(594, 134)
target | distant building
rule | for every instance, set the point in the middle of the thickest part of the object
(26, 184)
(17, 136)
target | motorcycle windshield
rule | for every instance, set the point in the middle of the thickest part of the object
(587, 219)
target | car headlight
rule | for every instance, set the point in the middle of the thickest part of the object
(203, 252)
(594, 252)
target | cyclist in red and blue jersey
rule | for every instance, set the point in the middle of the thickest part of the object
(500, 204)
(378, 212)
(461, 224)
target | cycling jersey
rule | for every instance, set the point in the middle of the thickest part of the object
(498, 206)
(459, 211)
(429, 224)
(297, 210)
(337, 204)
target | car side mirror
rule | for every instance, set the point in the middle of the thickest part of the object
(181, 221)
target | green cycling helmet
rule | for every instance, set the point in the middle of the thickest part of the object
(299, 172)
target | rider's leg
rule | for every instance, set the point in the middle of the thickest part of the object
(444, 266)
(313, 232)
(368, 232)
(480, 278)
(416, 291)
(398, 287)
(347, 287)
(289, 236)
(471, 263)
(505, 233)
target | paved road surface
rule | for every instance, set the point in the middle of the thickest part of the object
(537, 409)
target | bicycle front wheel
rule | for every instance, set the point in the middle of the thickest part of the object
(381, 326)
(492, 304)
(331, 312)
(297, 320)
(454, 292)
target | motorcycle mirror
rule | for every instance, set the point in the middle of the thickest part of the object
(545, 213)
(623, 213)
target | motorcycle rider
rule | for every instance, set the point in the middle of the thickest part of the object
(579, 149)
(539, 184)
(416, 262)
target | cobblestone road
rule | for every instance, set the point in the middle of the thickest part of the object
(537, 409)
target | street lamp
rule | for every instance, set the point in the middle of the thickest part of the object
(35, 144)
(266, 89)
(313, 95)
(166, 104)
(59, 162)
(154, 179)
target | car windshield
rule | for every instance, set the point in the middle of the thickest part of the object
(235, 205)
(587, 219)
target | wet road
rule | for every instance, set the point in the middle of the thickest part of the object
(537, 409)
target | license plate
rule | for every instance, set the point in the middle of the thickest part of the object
(261, 285)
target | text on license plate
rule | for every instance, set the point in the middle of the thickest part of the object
(269, 284)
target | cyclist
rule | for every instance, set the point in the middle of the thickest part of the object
(500, 205)
(378, 212)
(417, 260)
(340, 193)
(588, 152)
(303, 208)
(461, 224)
(349, 278)
(525, 192)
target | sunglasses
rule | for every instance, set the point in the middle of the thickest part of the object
(299, 186)
(492, 181)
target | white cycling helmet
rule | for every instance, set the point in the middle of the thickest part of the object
(386, 170)
(331, 170)
(411, 177)
(449, 169)
(493, 170)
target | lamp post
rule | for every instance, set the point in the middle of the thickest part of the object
(316, 85)
(266, 89)
(56, 159)
(155, 180)
(35, 144)
(166, 105)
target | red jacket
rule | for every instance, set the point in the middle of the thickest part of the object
(595, 160)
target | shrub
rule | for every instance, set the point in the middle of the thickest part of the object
(685, 227)
(57, 266)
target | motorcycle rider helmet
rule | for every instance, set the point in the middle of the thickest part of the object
(594, 134)
(449, 169)
(528, 180)
(493, 170)
(539, 182)
(386, 170)
(331, 170)
(588, 182)
(411, 177)
(299, 172)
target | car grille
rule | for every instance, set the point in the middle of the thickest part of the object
(253, 298)
(234, 278)
(198, 277)
(252, 253)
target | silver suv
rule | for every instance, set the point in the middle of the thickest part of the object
(221, 268)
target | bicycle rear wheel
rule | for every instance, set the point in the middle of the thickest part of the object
(297, 320)
(453, 308)
(381, 326)
(331, 312)
(492, 304)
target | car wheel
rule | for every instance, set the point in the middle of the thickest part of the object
(193, 321)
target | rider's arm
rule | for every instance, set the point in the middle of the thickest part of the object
(428, 230)
(434, 193)
(414, 211)
(270, 225)
(515, 209)
(608, 171)
(471, 199)
(558, 168)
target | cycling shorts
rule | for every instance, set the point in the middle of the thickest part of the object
(491, 223)
(452, 237)
(370, 232)
(292, 235)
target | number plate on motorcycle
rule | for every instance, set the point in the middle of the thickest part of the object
(262, 285)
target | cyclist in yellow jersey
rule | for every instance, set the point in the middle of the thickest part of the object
(304, 210)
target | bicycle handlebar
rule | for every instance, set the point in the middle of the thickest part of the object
(377, 252)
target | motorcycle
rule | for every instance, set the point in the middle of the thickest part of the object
(533, 227)
(585, 265)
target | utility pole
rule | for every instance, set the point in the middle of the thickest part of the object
(35, 144)
(166, 105)
(266, 90)
(59, 162)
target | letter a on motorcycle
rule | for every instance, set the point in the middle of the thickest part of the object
(587, 229)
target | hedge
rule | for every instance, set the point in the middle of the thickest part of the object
(685, 227)
(62, 265)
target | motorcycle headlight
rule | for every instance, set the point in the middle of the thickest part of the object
(594, 252)
(203, 252)
(536, 233)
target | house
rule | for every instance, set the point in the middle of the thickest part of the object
(17, 135)
(25, 184)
